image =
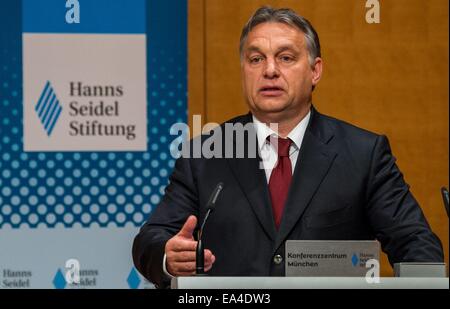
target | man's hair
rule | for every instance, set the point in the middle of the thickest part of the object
(267, 14)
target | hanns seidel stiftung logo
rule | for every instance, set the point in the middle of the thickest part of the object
(88, 111)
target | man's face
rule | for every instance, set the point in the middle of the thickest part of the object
(277, 76)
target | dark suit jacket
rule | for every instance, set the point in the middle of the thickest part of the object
(345, 186)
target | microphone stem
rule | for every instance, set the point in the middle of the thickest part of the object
(204, 222)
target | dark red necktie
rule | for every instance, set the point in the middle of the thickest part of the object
(280, 179)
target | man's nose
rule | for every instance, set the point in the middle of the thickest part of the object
(271, 70)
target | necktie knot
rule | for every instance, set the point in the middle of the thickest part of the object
(283, 146)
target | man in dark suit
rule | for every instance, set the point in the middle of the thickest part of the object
(314, 177)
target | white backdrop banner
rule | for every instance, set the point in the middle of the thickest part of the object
(88, 93)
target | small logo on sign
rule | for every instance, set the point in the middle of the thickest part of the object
(133, 279)
(59, 282)
(48, 108)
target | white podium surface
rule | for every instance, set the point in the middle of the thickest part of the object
(206, 282)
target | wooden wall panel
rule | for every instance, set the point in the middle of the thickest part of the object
(391, 78)
(196, 59)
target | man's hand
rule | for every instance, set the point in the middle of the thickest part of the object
(180, 251)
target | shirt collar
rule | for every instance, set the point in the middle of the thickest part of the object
(296, 135)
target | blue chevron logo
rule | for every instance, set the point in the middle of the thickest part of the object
(59, 281)
(133, 279)
(48, 108)
(355, 259)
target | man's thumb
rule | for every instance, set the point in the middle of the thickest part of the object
(188, 228)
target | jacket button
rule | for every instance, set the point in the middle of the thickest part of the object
(278, 259)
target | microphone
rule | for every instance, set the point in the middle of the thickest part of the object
(444, 192)
(200, 253)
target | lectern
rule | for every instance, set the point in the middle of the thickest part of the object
(205, 282)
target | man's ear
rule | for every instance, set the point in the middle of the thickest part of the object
(317, 71)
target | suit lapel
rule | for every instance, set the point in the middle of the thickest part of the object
(313, 163)
(252, 180)
(253, 183)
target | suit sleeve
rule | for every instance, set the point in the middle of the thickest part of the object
(394, 214)
(180, 201)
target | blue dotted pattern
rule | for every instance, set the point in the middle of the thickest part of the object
(86, 188)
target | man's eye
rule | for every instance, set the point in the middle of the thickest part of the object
(286, 58)
(256, 59)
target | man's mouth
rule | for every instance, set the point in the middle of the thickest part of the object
(271, 91)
